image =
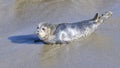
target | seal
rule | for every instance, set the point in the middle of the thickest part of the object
(68, 32)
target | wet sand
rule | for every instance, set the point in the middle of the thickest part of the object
(18, 21)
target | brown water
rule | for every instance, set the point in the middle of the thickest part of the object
(18, 21)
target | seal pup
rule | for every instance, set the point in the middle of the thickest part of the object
(67, 32)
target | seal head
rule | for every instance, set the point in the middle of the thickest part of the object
(45, 31)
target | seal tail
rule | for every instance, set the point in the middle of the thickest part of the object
(103, 17)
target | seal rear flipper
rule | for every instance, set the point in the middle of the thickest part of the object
(101, 18)
(95, 17)
(105, 16)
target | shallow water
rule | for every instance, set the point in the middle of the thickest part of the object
(18, 21)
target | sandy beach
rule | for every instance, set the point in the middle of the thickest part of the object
(18, 22)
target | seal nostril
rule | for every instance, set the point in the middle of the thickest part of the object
(37, 33)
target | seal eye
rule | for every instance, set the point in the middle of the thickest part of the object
(43, 29)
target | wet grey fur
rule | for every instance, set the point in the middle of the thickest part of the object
(67, 32)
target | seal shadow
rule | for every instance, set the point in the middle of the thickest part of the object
(25, 39)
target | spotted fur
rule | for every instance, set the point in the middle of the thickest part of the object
(67, 32)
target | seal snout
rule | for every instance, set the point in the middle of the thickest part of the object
(37, 32)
